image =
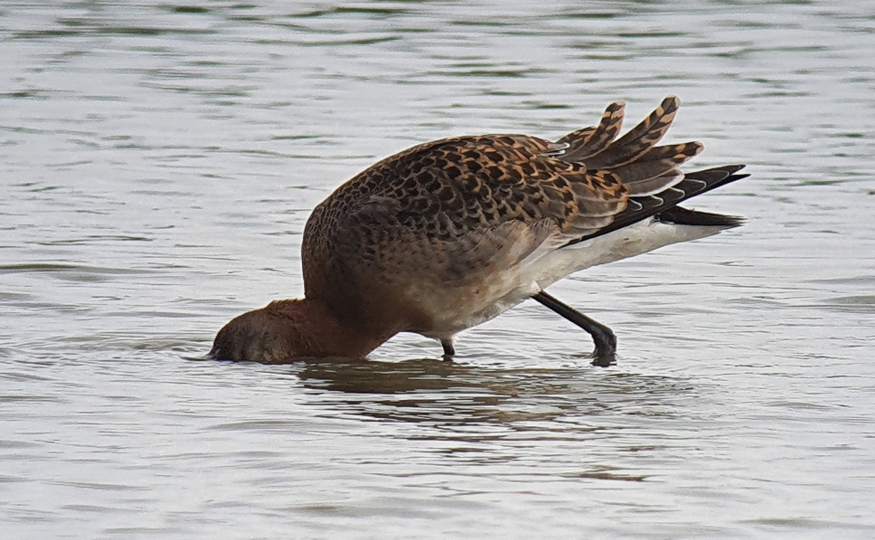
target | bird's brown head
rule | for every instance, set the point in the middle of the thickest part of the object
(288, 330)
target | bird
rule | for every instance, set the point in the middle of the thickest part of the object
(449, 234)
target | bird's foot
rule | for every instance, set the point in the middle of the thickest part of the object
(605, 353)
(449, 350)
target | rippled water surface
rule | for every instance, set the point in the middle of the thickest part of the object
(158, 162)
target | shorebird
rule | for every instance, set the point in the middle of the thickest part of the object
(451, 233)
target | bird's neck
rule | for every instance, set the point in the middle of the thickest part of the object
(287, 330)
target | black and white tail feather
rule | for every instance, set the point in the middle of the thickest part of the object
(664, 205)
(651, 219)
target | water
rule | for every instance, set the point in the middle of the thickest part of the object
(159, 161)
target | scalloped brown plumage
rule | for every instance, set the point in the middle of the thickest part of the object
(450, 233)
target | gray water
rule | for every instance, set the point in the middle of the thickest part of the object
(158, 162)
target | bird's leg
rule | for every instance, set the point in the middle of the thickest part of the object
(449, 350)
(604, 338)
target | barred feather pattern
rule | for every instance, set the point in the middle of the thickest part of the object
(450, 212)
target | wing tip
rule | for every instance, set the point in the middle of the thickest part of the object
(679, 215)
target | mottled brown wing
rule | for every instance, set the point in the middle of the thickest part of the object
(468, 204)
(450, 188)
(449, 213)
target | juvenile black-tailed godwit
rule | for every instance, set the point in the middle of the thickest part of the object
(451, 233)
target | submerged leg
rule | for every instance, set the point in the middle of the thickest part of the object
(604, 338)
(449, 350)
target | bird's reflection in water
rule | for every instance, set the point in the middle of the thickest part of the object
(374, 377)
(435, 391)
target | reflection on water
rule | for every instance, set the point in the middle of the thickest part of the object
(438, 390)
(483, 415)
(159, 161)
(473, 415)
